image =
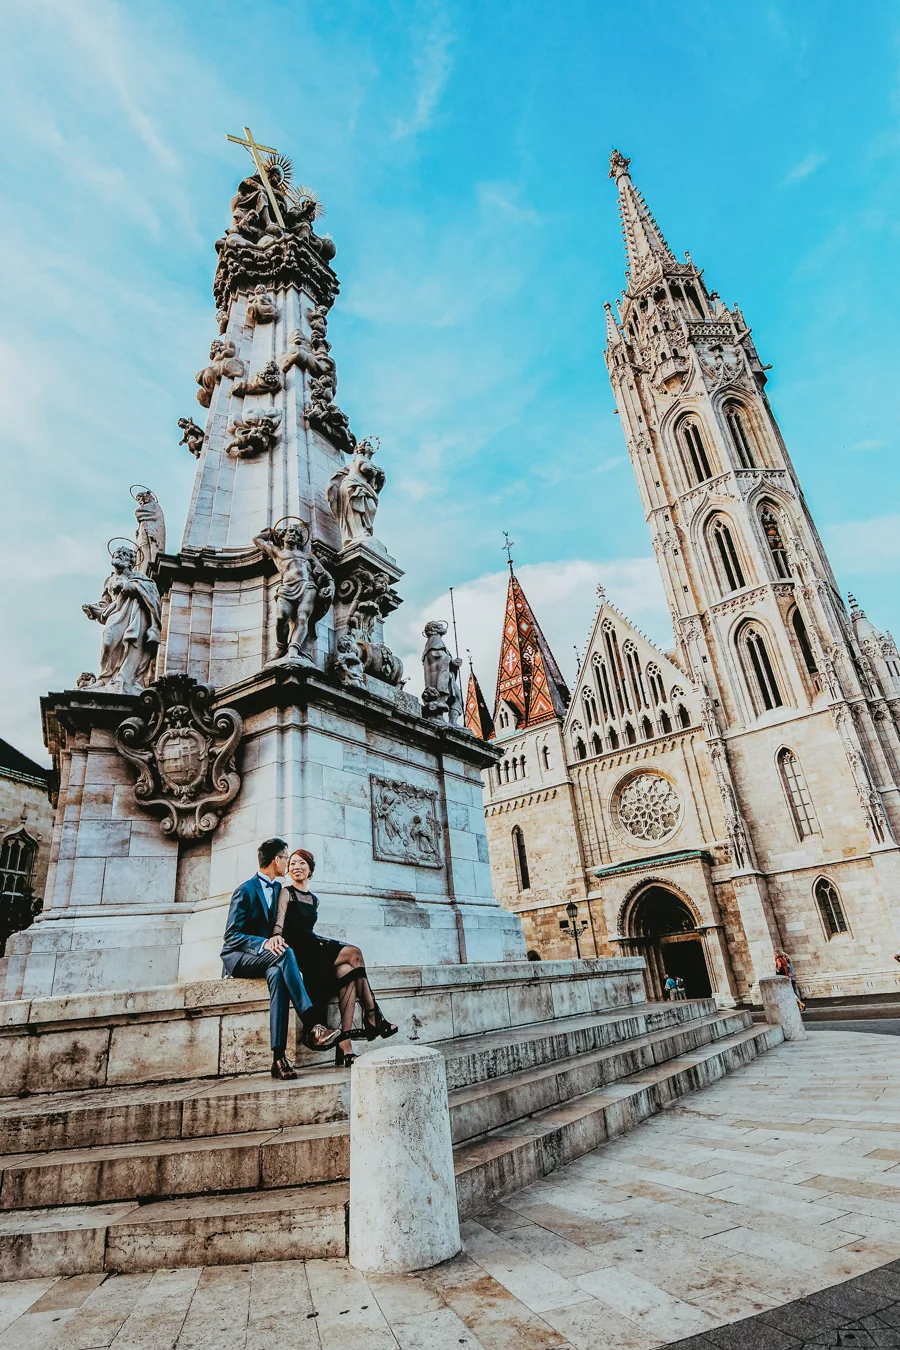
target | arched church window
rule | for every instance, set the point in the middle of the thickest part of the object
(832, 911)
(521, 859)
(522, 764)
(665, 722)
(696, 460)
(590, 708)
(612, 738)
(545, 755)
(615, 662)
(684, 717)
(636, 675)
(737, 428)
(17, 856)
(772, 532)
(603, 687)
(803, 642)
(506, 770)
(797, 794)
(630, 734)
(654, 679)
(758, 669)
(596, 744)
(580, 748)
(725, 557)
(647, 729)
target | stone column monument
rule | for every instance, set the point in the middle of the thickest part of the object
(246, 689)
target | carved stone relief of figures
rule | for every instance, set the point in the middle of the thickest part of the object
(131, 614)
(441, 670)
(261, 307)
(347, 662)
(86, 680)
(312, 356)
(151, 527)
(184, 753)
(363, 598)
(353, 494)
(222, 319)
(223, 363)
(405, 828)
(304, 593)
(191, 435)
(253, 434)
(268, 380)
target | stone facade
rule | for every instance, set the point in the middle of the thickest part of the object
(26, 826)
(738, 795)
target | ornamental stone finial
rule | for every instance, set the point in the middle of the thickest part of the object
(618, 164)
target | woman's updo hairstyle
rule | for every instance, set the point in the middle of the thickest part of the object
(304, 853)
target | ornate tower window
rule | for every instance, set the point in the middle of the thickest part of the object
(772, 532)
(696, 460)
(806, 651)
(520, 857)
(654, 679)
(797, 793)
(737, 428)
(725, 557)
(17, 856)
(758, 669)
(832, 911)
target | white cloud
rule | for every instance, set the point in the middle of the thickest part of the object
(806, 167)
(867, 445)
(432, 64)
(563, 596)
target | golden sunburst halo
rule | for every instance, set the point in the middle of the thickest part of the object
(279, 171)
(300, 194)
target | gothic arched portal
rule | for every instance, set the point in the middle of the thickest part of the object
(662, 927)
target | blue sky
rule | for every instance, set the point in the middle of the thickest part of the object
(460, 149)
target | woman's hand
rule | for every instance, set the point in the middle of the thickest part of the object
(275, 944)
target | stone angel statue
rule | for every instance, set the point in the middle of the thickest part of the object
(304, 593)
(151, 527)
(131, 614)
(353, 494)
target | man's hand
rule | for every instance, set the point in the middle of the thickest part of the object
(276, 945)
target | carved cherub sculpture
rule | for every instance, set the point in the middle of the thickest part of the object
(223, 361)
(151, 529)
(348, 663)
(268, 380)
(353, 494)
(442, 693)
(261, 307)
(253, 434)
(304, 593)
(192, 435)
(131, 614)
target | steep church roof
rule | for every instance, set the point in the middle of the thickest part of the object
(477, 716)
(528, 678)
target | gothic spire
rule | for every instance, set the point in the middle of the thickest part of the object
(644, 241)
(477, 719)
(528, 678)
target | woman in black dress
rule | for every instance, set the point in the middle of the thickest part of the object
(327, 965)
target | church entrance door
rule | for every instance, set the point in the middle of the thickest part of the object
(663, 930)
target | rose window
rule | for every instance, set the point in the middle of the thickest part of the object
(649, 807)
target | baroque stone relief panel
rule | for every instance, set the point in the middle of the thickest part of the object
(405, 828)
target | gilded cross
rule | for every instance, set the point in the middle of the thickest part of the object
(255, 148)
(507, 548)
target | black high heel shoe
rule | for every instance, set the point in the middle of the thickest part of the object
(380, 1027)
(343, 1058)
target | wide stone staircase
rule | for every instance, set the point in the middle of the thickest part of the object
(132, 1165)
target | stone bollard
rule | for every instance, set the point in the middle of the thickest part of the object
(780, 1006)
(403, 1211)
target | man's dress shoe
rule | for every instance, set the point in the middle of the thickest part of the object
(283, 1068)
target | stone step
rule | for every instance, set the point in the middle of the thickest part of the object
(285, 1154)
(200, 1107)
(296, 1224)
(481, 1107)
(514, 1156)
(306, 1222)
(264, 1159)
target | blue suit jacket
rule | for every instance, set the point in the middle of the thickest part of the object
(249, 923)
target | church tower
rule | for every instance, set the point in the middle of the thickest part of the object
(801, 714)
(533, 835)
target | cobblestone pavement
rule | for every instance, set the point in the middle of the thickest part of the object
(767, 1196)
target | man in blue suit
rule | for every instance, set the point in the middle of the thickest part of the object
(250, 953)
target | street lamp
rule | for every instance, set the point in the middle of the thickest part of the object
(577, 927)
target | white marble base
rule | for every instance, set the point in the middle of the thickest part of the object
(780, 1006)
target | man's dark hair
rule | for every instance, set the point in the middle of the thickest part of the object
(269, 850)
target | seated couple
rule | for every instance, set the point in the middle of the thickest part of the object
(269, 935)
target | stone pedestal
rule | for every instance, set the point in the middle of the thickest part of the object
(780, 1006)
(403, 1208)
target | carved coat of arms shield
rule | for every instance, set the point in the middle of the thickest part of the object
(181, 758)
